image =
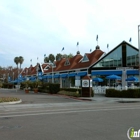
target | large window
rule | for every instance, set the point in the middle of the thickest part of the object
(114, 59)
(132, 57)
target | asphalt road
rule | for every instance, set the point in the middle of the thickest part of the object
(68, 120)
(34, 98)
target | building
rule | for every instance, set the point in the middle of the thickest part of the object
(123, 61)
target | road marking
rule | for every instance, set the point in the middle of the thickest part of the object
(12, 111)
(71, 111)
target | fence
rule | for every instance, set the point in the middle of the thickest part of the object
(102, 90)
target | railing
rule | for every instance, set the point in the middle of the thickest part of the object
(102, 90)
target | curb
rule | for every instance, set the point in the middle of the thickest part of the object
(76, 98)
(14, 102)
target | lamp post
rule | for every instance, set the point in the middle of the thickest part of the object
(139, 52)
(13, 76)
(3, 77)
(37, 68)
(52, 73)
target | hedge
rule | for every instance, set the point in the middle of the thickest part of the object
(54, 88)
(130, 93)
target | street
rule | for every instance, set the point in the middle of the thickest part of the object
(72, 120)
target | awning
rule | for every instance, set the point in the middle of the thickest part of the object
(116, 72)
(40, 78)
(72, 74)
(56, 76)
(64, 75)
(132, 72)
(82, 73)
(49, 76)
(132, 79)
(32, 80)
(32, 77)
(44, 76)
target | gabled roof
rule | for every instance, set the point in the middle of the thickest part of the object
(123, 42)
(93, 57)
(29, 71)
(44, 66)
(73, 62)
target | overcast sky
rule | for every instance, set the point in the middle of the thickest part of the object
(32, 28)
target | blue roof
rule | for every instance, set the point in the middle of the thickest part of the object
(83, 73)
(56, 76)
(64, 75)
(72, 74)
(117, 72)
(132, 72)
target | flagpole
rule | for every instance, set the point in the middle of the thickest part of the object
(97, 39)
(108, 47)
(78, 45)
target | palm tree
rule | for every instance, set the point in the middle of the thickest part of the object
(21, 59)
(51, 57)
(16, 60)
(46, 59)
(58, 56)
(70, 55)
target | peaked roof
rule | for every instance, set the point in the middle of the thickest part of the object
(123, 42)
(93, 57)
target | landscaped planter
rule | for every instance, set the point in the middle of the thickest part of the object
(26, 90)
(35, 90)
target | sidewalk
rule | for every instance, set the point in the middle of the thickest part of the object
(102, 98)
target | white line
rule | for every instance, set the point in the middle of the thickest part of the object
(66, 112)
(91, 108)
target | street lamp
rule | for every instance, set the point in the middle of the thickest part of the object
(37, 68)
(52, 74)
(3, 77)
(52, 64)
(139, 52)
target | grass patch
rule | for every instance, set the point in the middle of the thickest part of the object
(8, 99)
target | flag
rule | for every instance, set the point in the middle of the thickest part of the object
(90, 50)
(107, 45)
(97, 38)
(77, 43)
(37, 58)
(31, 60)
(130, 39)
(44, 55)
(62, 49)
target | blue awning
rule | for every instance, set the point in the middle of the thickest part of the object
(49, 76)
(64, 75)
(44, 76)
(32, 80)
(82, 73)
(40, 78)
(56, 76)
(116, 72)
(72, 74)
(32, 77)
(132, 72)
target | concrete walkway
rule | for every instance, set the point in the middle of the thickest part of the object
(102, 98)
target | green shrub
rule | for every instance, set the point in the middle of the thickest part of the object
(92, 93)
(72, 90)
(7, 85)
(69, 93)
(54, 88)
(130, 93)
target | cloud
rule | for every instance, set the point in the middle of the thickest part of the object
(34, 28)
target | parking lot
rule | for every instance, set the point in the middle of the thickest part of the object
(34, 98)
